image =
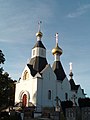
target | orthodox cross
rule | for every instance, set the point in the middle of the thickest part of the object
(39, 27)
(56, 35)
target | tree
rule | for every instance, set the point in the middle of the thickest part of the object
(6, 85)
(2, 59)
(6, 90)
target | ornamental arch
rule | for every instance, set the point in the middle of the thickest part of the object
(24, 98)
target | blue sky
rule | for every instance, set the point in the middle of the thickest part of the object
(70, 18)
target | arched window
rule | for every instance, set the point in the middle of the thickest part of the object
(26, 75)
(49, 94)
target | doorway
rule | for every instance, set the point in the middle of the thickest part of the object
(24, 100)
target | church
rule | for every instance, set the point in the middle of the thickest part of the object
(40, 83)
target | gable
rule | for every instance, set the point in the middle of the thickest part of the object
(26, 74)
(48, 70)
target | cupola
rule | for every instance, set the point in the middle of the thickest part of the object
(57, 49)
(57, 66)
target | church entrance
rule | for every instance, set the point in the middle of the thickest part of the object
(24, 100)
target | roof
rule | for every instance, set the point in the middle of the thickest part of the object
(45, 68)
(73, 85)
(58, 70)
(39, 44)
(37, 64)
(83, 92)
(33, 72)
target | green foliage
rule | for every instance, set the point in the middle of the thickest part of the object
(6, 85)
(2, 59)
(6, 90)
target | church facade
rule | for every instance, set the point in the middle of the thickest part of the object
(41, 83)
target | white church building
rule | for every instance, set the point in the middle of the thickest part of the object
(41, 83)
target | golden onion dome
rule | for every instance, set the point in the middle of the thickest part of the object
(57, 49)
(39, 34)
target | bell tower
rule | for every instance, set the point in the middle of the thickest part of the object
(38, 58)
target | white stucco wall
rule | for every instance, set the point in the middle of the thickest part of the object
(66, 88)
(79, 94)
(26, 86)
(47, 83)
(59, 90)
(37, 88)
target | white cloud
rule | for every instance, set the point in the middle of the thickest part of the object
(79, 11)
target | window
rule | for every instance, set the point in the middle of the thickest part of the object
(49, 94)
(66, 96)
(26, 75)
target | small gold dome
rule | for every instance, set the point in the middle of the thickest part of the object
(39, 34)
(57, 49)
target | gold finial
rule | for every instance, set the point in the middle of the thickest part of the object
(57, 49)
(39, 33)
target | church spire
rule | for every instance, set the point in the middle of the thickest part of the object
(57, 51)
(39, 34)
(57, 66)
(38, 59)
(71, 74)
